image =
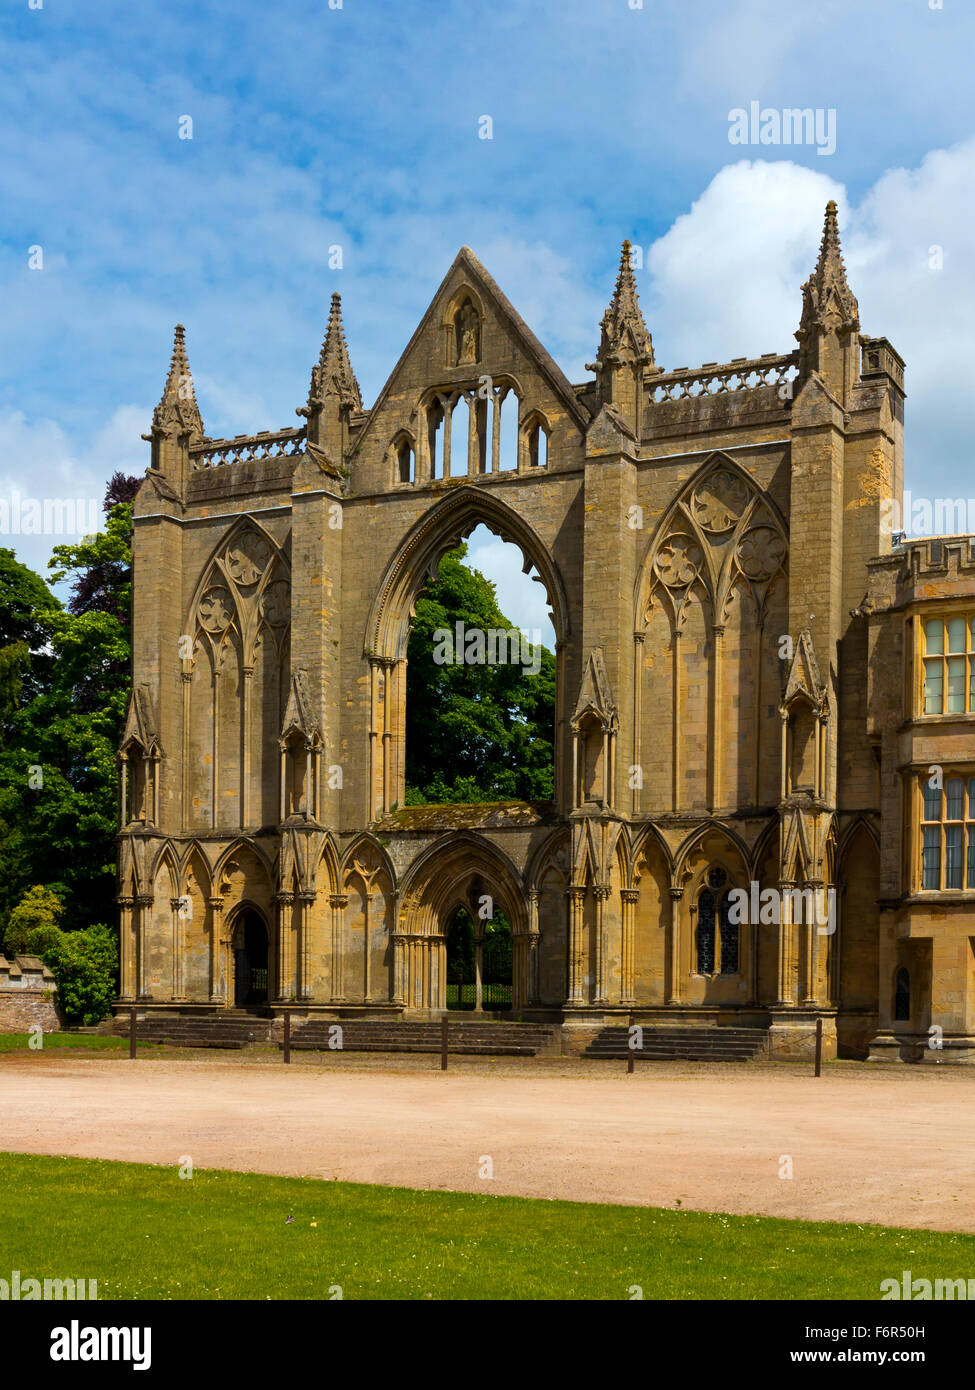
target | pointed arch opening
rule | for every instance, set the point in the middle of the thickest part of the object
(457, 679)
(251, 955)
(466, 937)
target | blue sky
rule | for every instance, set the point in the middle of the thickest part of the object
(358, 127)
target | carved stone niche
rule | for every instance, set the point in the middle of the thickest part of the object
(467, 334)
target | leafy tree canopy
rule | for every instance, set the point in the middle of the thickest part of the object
(474, 732)
(64, 681)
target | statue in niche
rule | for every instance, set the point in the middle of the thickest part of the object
(468, 333)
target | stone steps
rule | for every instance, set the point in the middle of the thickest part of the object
(463, 1038)
(205, 1031)
(681, 1044)
(470, 1038)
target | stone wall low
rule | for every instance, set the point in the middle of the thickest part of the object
(28, 996)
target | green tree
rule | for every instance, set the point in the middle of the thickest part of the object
(61, 713)
(474, 732)
(85, 967)
(39, 911)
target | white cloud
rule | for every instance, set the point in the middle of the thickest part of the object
(725, 282)
(42, 470)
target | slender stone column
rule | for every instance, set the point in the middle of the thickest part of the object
(676, 982)
(374, 665)
(629, 898)
(638, 640)
(123, 814)
(144, 906)
(219, 951)
(472, 440)
(532, 939)
(399, 942)
(784, 766)
(811, 943)
(478, 971)
(601, 895)
(447, 402)
(388, 668)
(577, 897)
(531, 946)
(338, 903)
(247, 675)
(176, 908)
(127, 952)
(675, 731)
(785, 993)
(306, 899)
(185, 803)
(286, 948)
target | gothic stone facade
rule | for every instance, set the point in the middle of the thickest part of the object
(751, 689)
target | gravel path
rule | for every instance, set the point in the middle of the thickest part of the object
(892, 1145)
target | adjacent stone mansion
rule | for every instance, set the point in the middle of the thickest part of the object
(760, 686)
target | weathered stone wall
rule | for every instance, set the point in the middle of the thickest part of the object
(28, 996)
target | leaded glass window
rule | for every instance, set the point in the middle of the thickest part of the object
(729, 940)
(948, 834)
(705, 933)
(948, 664)
(717, 939)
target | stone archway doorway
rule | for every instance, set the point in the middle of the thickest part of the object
(250, 945)
(480, 959)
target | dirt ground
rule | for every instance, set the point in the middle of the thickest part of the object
(892, 1145)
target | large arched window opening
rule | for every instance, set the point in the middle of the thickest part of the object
(480, 684)
(394, 621)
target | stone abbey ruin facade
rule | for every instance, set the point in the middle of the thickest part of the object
(754, 682)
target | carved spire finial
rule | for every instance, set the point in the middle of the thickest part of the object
(177, 411)
(827, 300)
(333, 375)
(623, 329)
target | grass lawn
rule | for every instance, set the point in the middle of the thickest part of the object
(143, 1232)
(19, 1042)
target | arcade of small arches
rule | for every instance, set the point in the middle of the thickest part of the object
(347, 934)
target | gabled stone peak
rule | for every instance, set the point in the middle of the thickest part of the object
(804, 678)
(298, 715)
(828, 303)
(333, 375)
(140, 721)
(177, 411)
(595, 694)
